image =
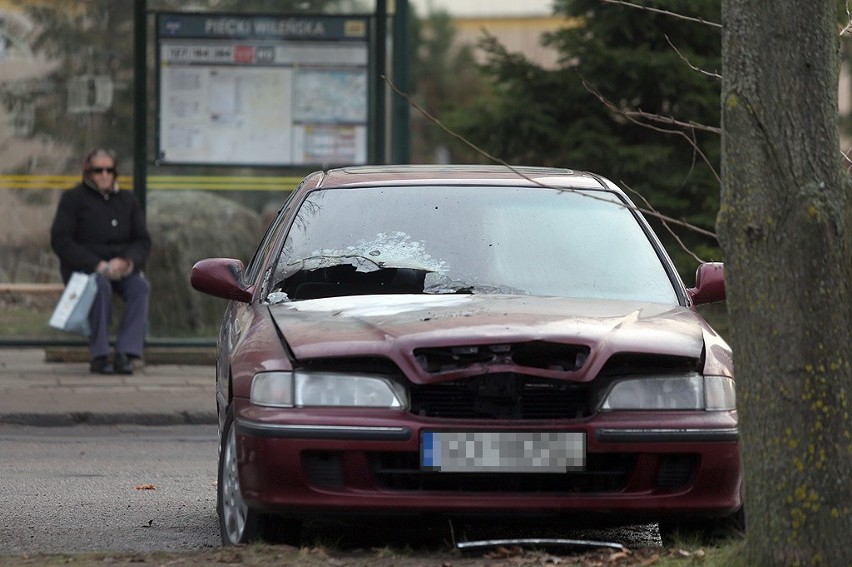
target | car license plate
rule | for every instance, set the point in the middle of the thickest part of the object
(502, 451)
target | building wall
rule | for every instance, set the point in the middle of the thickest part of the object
(481, 8)
(517, 34)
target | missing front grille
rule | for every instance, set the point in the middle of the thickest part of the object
(502, 396)
(535, 354)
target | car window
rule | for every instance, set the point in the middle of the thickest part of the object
(528, 241)
(272, 231)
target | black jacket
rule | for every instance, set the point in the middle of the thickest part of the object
(90, 227)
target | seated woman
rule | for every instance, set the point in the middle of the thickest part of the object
(100, 229)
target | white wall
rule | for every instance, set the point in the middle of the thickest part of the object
(481, 8)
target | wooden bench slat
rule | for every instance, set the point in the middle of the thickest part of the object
(32, 288)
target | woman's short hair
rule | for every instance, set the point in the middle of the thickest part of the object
(99, 152)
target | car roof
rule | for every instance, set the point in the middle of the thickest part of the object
(389, 175)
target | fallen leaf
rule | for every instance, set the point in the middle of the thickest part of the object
(502, 551)
(145, 487)
(315, 551)
(230, 556)
(650, 561)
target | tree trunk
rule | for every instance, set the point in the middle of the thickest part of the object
(784, 228)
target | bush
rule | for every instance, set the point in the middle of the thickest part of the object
(187, 226)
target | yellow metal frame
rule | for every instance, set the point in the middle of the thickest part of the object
(160, 182)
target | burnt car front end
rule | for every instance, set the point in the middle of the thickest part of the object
(428, 415)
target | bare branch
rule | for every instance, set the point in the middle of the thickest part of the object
(442, 126)
(847, 160)
(669, 120)
(665, 12)
(846, 29)
(665, 224)
(691, 141)
(691, 66)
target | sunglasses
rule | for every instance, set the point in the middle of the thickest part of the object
(110, 170)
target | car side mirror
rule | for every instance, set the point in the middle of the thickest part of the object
(221, 277)
(709, 284)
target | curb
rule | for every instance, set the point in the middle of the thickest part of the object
(193, 356)
(89, 418)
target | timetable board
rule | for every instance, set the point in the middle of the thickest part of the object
(262, 90)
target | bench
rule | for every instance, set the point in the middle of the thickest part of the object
(32, 288)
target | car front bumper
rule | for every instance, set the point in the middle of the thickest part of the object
(638, 466)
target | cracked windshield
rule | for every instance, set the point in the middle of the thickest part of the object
(574, 244)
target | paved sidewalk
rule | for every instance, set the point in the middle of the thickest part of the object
(36, 392)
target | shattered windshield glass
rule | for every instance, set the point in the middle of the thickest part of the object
(384, 250)
(479, 240)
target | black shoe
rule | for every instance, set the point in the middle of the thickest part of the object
(101, 365)
(122, 364)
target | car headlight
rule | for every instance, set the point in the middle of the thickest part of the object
(686, 392)
(325, 389)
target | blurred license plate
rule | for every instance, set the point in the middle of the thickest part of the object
(502, 451)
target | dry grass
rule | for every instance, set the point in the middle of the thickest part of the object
(726, 555)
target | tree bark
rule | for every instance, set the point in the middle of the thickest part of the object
(784, 226)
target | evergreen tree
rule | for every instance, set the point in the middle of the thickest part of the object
(444, 76)
(620, 55)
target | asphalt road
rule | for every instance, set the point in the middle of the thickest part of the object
(133, 488)
(107, 488)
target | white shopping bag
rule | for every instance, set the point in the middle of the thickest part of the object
(72, 311)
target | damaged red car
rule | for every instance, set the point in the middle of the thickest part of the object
(463, 340)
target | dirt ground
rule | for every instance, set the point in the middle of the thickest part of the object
(349, 543)
(316, 557)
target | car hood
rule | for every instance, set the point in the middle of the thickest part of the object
(393, 326)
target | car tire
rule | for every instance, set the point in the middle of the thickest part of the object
(238, 523)
(704, 531)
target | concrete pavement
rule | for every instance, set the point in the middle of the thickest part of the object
(34, 391)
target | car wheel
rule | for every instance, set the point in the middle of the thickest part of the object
(238, 523)
(704, 531)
